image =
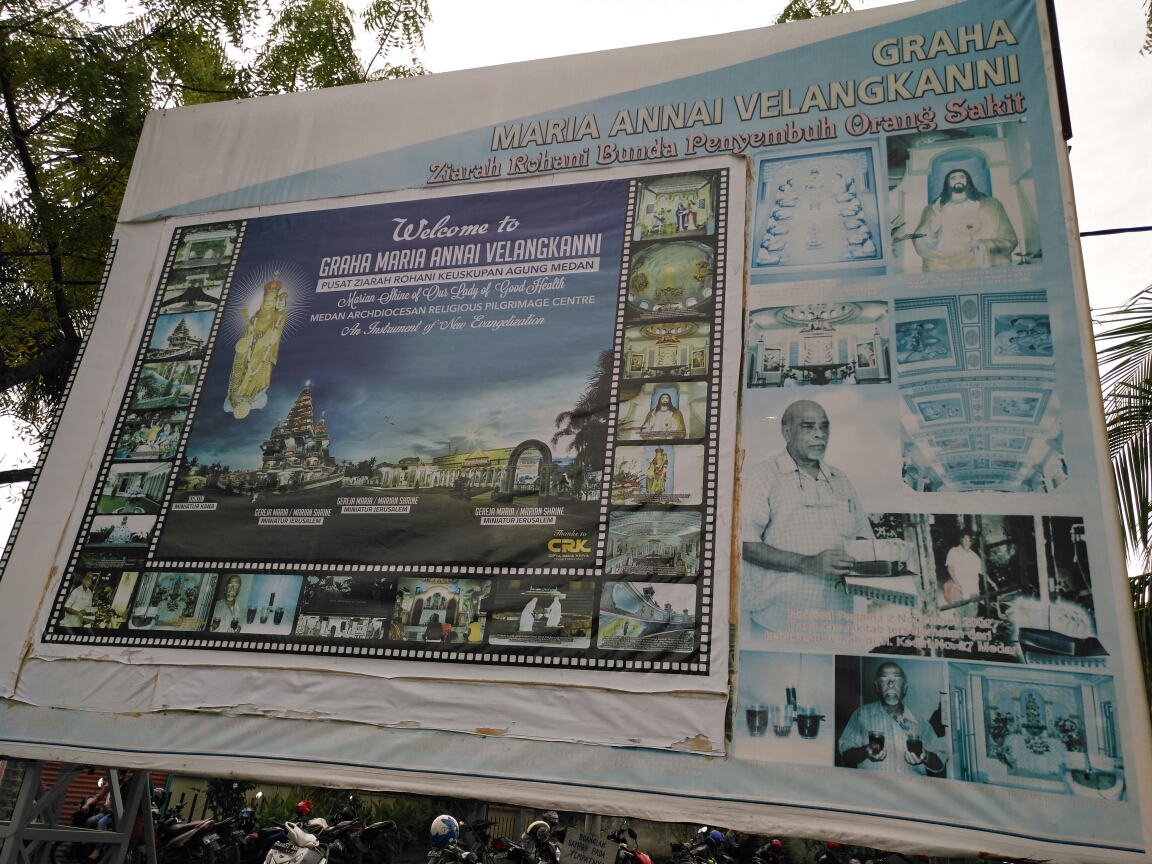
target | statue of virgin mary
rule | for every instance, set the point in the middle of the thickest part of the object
(257, 352)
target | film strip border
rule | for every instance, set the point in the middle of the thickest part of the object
(694, 663)
(707, 506)
(51, 436)
(179, 236)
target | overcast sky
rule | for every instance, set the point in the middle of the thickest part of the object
(1109, 90)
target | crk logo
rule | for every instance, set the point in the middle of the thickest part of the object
(566, 544)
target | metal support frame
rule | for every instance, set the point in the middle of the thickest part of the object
(34, 827)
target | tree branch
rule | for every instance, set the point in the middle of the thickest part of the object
(61, 353)
(18, 475)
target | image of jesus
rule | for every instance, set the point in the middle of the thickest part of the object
(664, 420)
(964, 228)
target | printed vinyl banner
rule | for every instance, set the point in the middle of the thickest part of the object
(728, 449)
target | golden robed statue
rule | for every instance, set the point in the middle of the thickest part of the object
(656, 476)
(257, 352)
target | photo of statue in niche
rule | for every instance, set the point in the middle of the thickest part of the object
(962, 199)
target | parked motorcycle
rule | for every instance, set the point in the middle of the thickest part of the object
(297, 847)
(180, 842)
(626, 854)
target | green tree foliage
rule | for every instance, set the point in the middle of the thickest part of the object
(1125, 353)
(802, 10)
(74, 94)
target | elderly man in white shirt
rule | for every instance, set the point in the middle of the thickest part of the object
(799, 512)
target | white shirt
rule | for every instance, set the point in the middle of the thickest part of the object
(964, 566)
(795, 512)
(79, 599)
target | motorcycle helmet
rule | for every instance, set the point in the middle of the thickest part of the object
(444, 831)
(158, 796)
(715, 836)
(777, 846)
(551, 817)
(304, 809)
(539, 831)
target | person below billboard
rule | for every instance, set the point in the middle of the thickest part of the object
(964, 228)
(799, 513)
(887, 735)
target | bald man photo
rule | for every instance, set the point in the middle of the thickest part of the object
(887, 735)
(799, 512)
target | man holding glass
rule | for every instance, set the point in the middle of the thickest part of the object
(887, 735)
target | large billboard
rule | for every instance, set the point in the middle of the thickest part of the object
(725, 446)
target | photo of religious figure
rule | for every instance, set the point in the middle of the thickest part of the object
(98, 599)
(180, 336)
(173, 601)
(410, 427)
(449, 611)
(963, 201)
(892, 717)
(134, 488)
(658, 474)
(647, 616)
(324, 626)
(926, 339)
(816, 212)
(670, 280)
(662, 411)
(119, 537)
(167, 384)
(818, 344)
(151, 435)
(251, 603)
(549, 612)
(653, 543)
(1022, 336)
(258, 317)
(670, 349)
(1051, 732)
(677, 206)
(784, 705)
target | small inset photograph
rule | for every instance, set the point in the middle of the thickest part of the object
(551, 613)
(451, 611)
(653, 543)
(206, 246)
(819, 344)
(151, 435)
(173, 601)
(248, 603)
(191, 291)
(347, 593)
(99, 599)
(671, 280)
(117, 539)
(964, 200)
(647, 616)
(134, 488)
(672, 349)
(343, 627)
(1049, 732)
(784, 708)
(662, 412)
(658, 474)
(817, 212)
(892, 717)
(167, 384)
(677, 206)
(182, 336)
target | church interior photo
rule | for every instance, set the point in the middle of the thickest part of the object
(818, 344)
(653, 543)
